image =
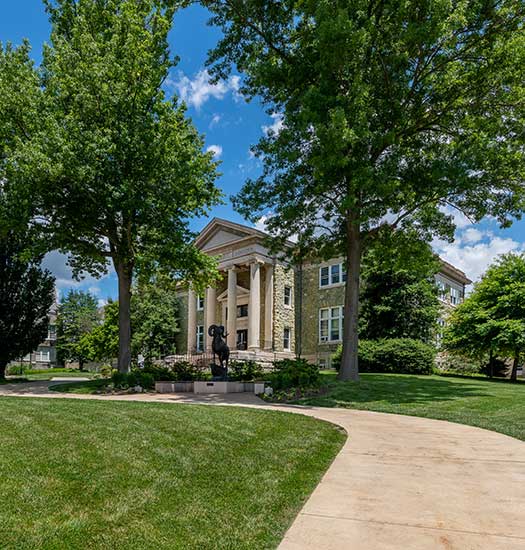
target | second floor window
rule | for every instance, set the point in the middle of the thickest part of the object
(242, 310)
(334, 274)
(288, 296)
(200, 303)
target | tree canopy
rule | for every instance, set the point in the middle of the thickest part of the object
(398, 297)
(492, 319)
(388, 116)
(113, 170)
(77, 315)
(26, 296)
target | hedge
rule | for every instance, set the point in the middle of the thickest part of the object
(395, 355)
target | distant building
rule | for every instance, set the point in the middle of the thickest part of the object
(45, 356)
(278, 309)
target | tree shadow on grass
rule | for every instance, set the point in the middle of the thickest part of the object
(399, 390)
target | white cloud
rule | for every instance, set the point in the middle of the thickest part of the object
(215, 119)
(460, 220)
(195, 92)
(473, 251)
(56, 263)
(472, 235)
(276, 126)
(215, 149)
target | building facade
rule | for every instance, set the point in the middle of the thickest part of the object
(45, 356)
(278, 310)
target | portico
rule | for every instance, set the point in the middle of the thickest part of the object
(243, 300)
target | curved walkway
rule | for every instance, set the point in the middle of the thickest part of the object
(399, 482)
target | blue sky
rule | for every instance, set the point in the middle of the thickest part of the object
(231, 126)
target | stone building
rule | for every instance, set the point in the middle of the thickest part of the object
(279, 310)
(45, 356)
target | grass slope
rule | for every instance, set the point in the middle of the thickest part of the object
(92, 474)
(492, 404)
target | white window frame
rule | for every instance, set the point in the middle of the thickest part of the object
(333, 280)
(287, 298)
(51, 332)
(199, 338)
(333, 314)
(287, 336)
(41, 358)
(455, 296)
(200, 303)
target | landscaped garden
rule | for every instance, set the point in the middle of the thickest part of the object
(497, 405)
(91, 474)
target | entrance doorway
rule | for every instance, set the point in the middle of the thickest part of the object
(242, 339)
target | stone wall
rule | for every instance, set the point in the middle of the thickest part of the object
(313, 299)
(284, 316)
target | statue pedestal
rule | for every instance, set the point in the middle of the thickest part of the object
(209, 386)
(218, 387)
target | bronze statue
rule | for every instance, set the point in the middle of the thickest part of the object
(221, 349)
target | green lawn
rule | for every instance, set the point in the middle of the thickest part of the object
(86, 386)
(46, 374)
(94, 474)
(493, 404)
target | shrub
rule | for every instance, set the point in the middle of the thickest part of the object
(124, 380)
(395, 355)
(294, 373)
(457, 364)
(245, 370)
(17, 369)
(182, 371)
(105, 371)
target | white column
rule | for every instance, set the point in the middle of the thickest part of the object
(192, 321)
(268, 309)
(254, 307)
(210, 305)
(231, 322)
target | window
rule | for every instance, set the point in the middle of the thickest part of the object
(286, 339)
(200, 303)
(454, 296)
(331, 324)
(440, 330)
(288, 296)
(334, 274)
(200, 337)
(442, 290)
(43, 356)
(51, 332)
(324, 276)
(242, 310)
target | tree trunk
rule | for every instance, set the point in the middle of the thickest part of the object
(124, 273)
(514, 372)
(349, 369)
(3, 366)
(491, 364)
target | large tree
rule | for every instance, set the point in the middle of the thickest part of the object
(386, 114)
(77, 316)
(491, 320)
(398, 297)
(155, 318)
(114, 170)
(26, 296)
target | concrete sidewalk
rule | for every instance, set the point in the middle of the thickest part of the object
(399, 482)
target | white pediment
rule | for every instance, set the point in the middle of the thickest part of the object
(221, 237)
(222, 232)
